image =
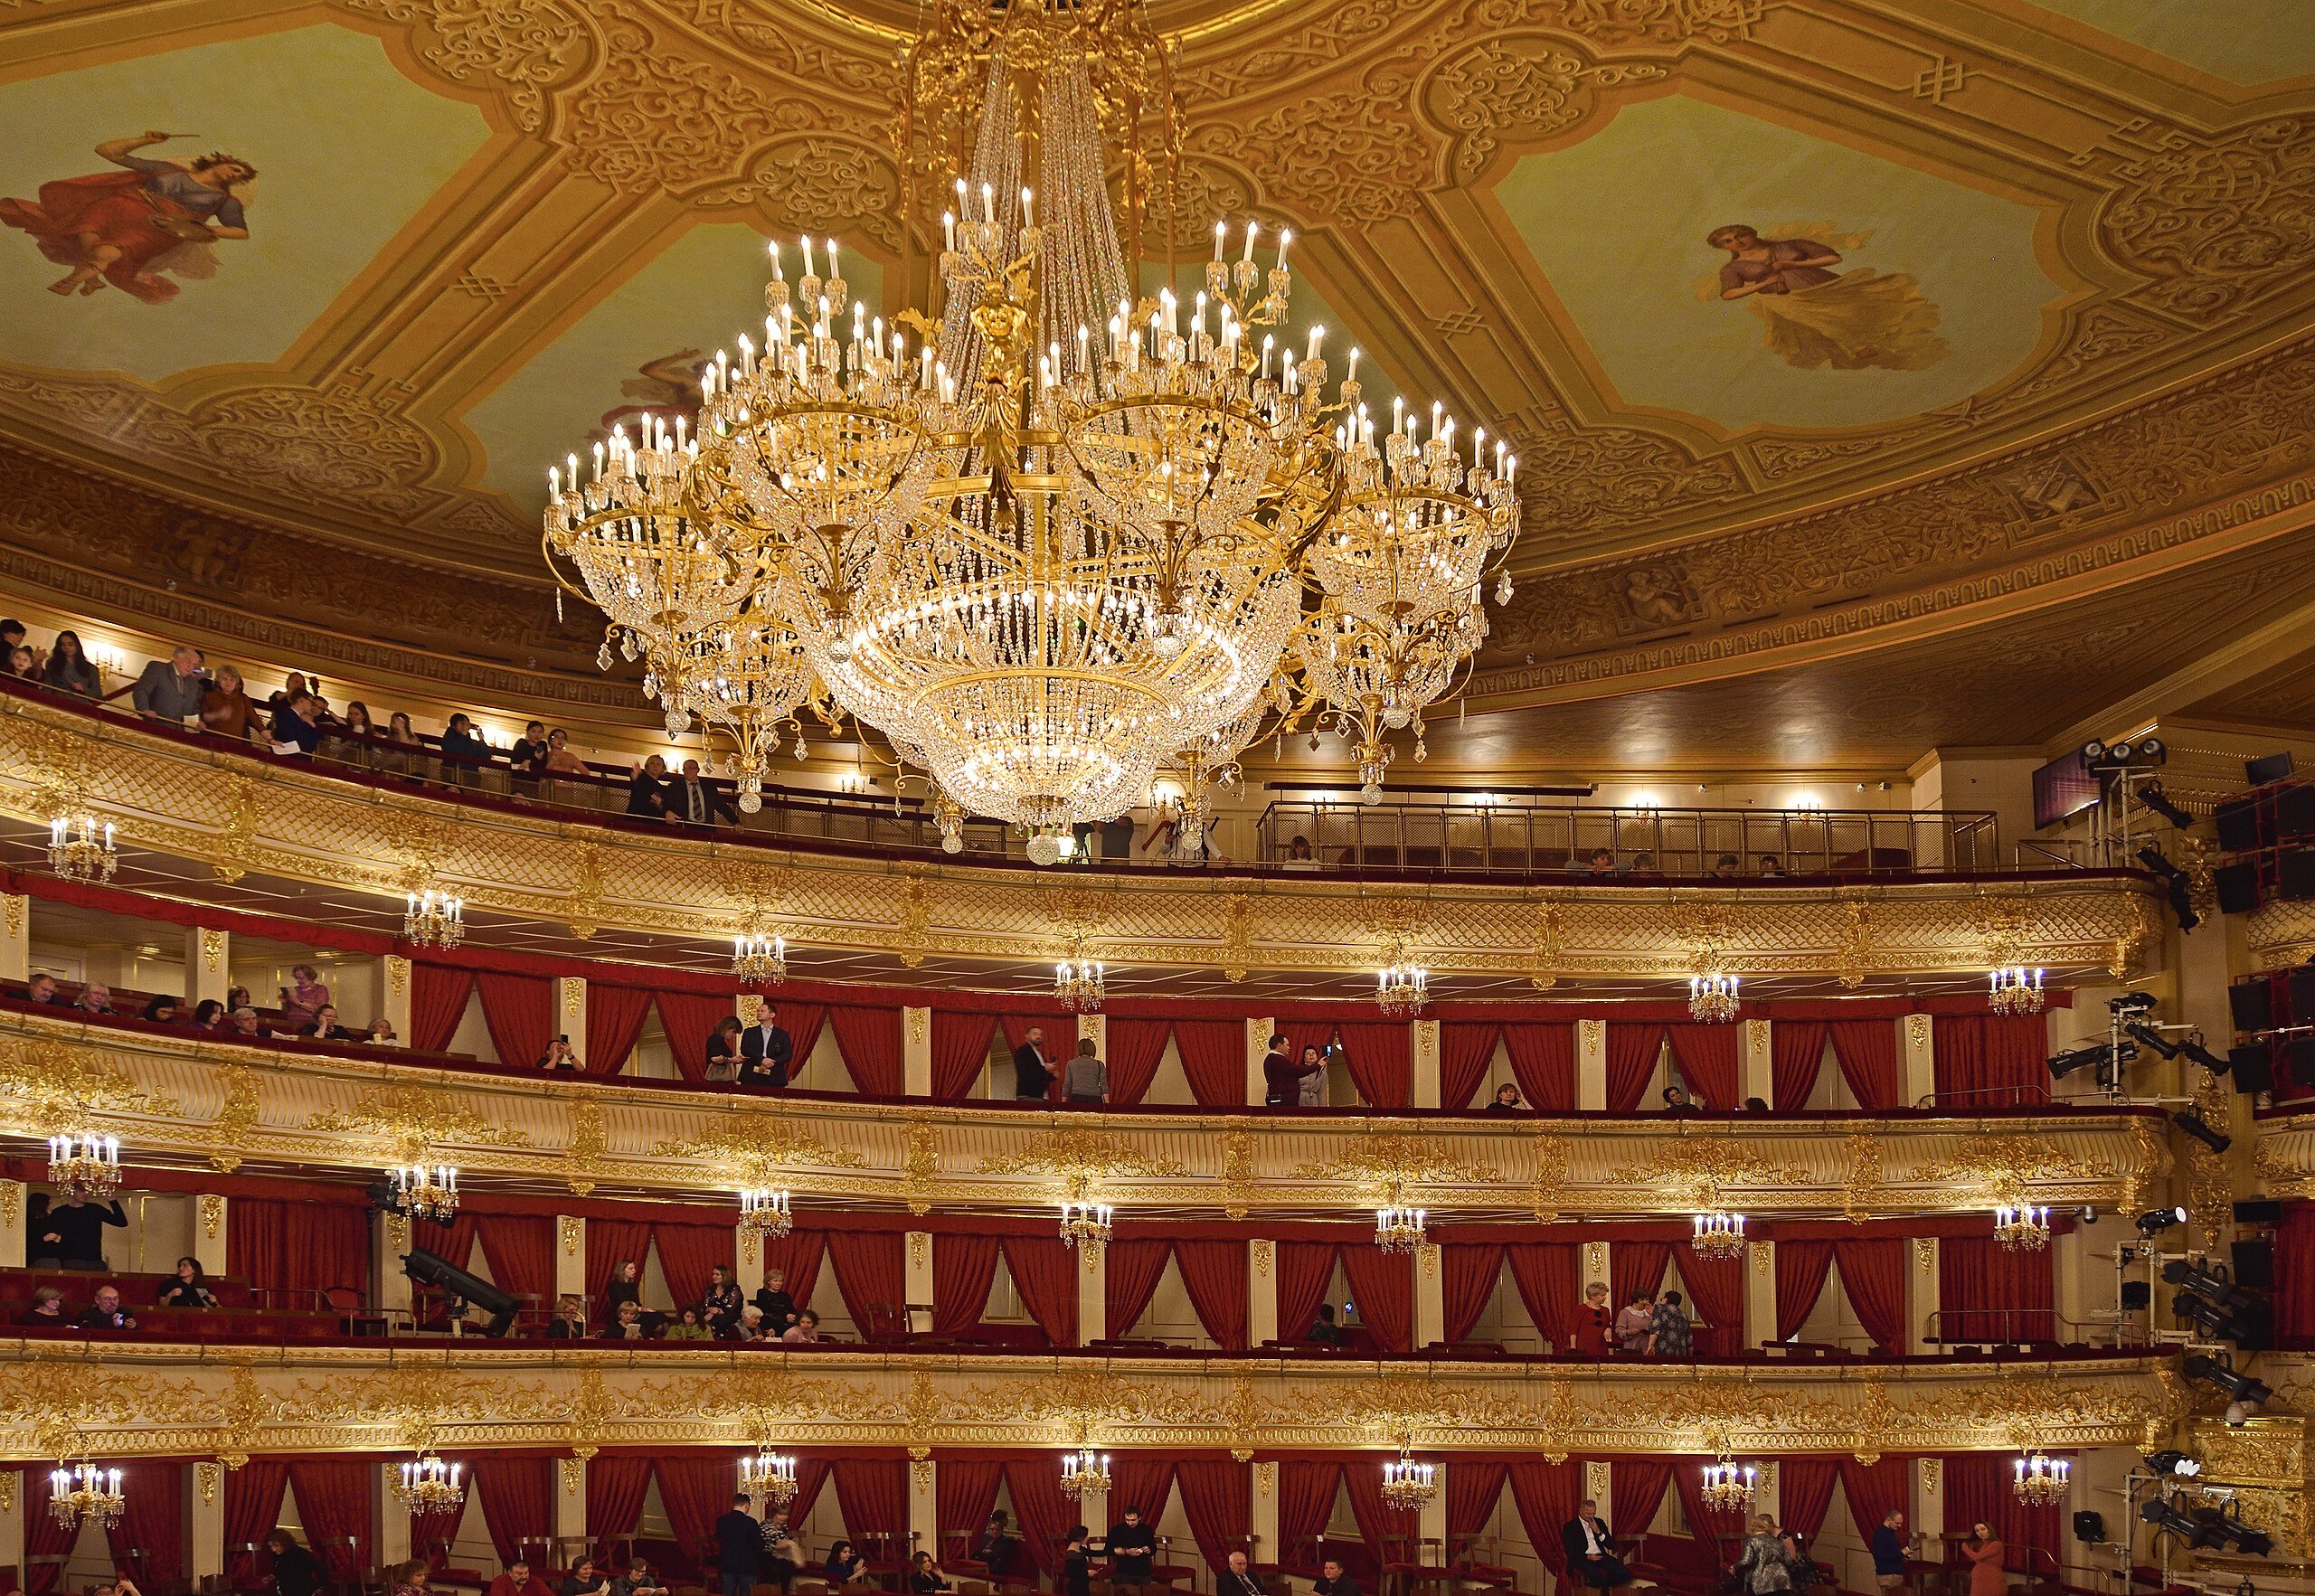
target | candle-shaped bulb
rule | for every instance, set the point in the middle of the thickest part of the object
(988, 202)
(1285, 237)
(1254, 231)
(1317, 336)
(1220, 228)
(948, 230)
(1028, 215)
(834, 269)
(775, 274)
(808, 271)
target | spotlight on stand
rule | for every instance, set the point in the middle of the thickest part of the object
(2152, 796)
(2174, 1462)
(2159, 1512)
(429, 1268)
(2132, 1005)
(2217, 1369)
(2155, 1221)
(2106, 1058)
(2153, 1039)
(2175, 885)
(2191, 1121)
(2220, 1529)
(2196, 1053)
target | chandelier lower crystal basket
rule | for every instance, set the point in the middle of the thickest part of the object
(82, 1493)
(1408, 1485)
(1719, 1235)
(1728, 1487)
(2040, 1480)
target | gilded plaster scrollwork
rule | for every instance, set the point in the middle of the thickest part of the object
(410, 1118)
(50, 1088)
(761, 1148)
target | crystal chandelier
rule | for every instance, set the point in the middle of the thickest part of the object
(759, 960)
(434, 919)
(84, 1492)
(1719, 1235)
(1407, 1485)
(1054, 536)
(81, 848)
(1084, 1471)
(1080, 985)
(85, 1166)
(2022, 1228)
(1728, 1487)
(769, 1477)
(1712, 998)
(1085, 1224)
(1398, 1228)
(428, 1485)
(2040, 1480)
(1401, 989)
(424, 1191)
(2015, 991)
(764, 1215)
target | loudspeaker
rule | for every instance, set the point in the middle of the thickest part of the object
(2254, 1264)
(2238, 825)
(2137, 1295)
(2300, 992)
(2295, 811)
(2237, 886)
(2298, 873)
(2299, 1060)
(2251, 1003)
(2258, 1211)
(2090, 1528)
(2253, 1067)
(2274, 767)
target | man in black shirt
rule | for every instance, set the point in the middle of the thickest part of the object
(1031, 1074)
(107, 1313)
(739, 1543)
(71, 1236)
(1333, 1582)
(296, 1572)
(1131, 1547)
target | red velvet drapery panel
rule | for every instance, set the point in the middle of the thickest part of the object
(1214, 1274)
(796, 1255)
(1866, 1051)
(1382, 1286)
(1980, 1489)
(687, 1252)
(1634, 1266)
(1130, 1272)
(1213, 1059)
(1306, 1500)
(1986, 1292)
(688, 1019)
(803, 1023)
(1719, 1529)
(1137, 1047)
(1632, 1052)
(437, 1002)
(1548, 1496)
(2295, 1276)
(615, 1016)
(1391, 1534)
(44, 1537)
(1218, 1501)
(1380, 1056)
(1542, 1061)
(1474, 1487)
(1716, 1292)
(874, 1054)
(1801, 1270)
(152, 1522)
(1466, 1049)
(1549, 1275)
(1045, 1514)
(1805, 1494)
(1637, 1485)
(252, 1508)
(1709, 1058)
(615, 1487)
(963, 1269)
(1873, 1274)
(960, 1052)
(964, 1493)
(520, 1011)
(1796, 1056)
(872, 1495)
(1046, 1274)
(1143, 1480)
(520, 1249)
(1468, 1271)
(872, 1276)
(1876, 1491)
(610, 1244)
(695, 1489)
(334, 1503)
(1989, 1060)
(452, 1242)
(517, 1500)
(1305, 1269)
(295, 1246)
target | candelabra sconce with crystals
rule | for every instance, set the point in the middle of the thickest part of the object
(82, 1493)
(1084, 1472)
(1408, 1485)
(768, 1478)
(2024, 1228)
(425, 1191)
(81, 848)
(434, 919)
(428, 1485)
(1080, 984)
(1085, 1224)
(1712, 998)
(2013, 991)
(2040, 1480)
(1399, 1228)
(1719, 1235)
(85, 1166)
(1728, 1487)
(1401, 988)
(759, 960)
(764, 1215)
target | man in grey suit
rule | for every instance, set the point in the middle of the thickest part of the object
(170, 689)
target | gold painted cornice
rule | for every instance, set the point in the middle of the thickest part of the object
(129, 1400)
(191, 1103)
(240, 816)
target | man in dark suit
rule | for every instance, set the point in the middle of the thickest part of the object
(1031, 1074)
(1237, 1579)
(170, 689)
(765, 1050)
(696, 801)
(739, 1544)
(1591, 1547)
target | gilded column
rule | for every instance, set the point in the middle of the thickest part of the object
(393, 995)
(1265, 1525)
(1759, 1077)
(12, 1513)
(571, 1015)
(916, 1052)
(12, 1220)
(15, 937)
(924, 1507)
(389, 1515)
(1760, 1296)
(1093, 1301)
(390, 1242)
(570, 1255)
(1095, 1029)
(208, 963)
(1929, 1498)
(1262, 1292)
(1426, 1064)
(1430, 1298)
(209, 1233)
(1916, 1049)
(916, 1287)
(1921, 1295)
(570, 1504)
(205, 1537)
(1258, 1035)
(1592, 1066)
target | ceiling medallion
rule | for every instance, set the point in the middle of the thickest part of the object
(1046, 536)
(2015, 991)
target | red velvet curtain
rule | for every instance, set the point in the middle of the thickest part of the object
(1550, 1278)
(520, 1011)
(152, 1522)
(1130, 1272)
(696, 1489)
(1045, 1514)
(1637, 1485)
(252, 1508)
(870, 1041)
(1866, 1051)
(1218, 1501)
(1468, 1271)
(437, 1002)
(1136, 1049)
(1214, 1058)
(871, 1275)
(1805, 1493)
(872, 1493)
(1720, 1529)
(1215, 1273)
(963, 1269)
(1542, 1061)
(964, 1493)
(1709, 1058)
(796, 1255)
(1143, 1480)
(1391, 1532)
(959, 1052)
(688, 1253)
(1380, 1057)
(1305, 1268)
(1548, 1496)
(1474, 1487)
(1382, 1286)
(2295, 1276)
(1801, 1270)
(615, 1487)
(803, 1022)
(688, 1019)
(520, 1251)
(1876, 1491)
(610, 1242)
(1466, 1049)
(1986, 1292)
(1985, 1061)
(1306, 1500)
(1873, 1274)
(452, 1242)
(615, 1016)
(1716, 1292)
(1796, 1056)
(1632, 1051)
(1634, 1266)
(517, 1501)
(297, 1246)
(1046, 1274)
(1980, 1489)
(334, 1502)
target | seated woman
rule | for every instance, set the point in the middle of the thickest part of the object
(96, 998)
(626, 1324)
(161, 1011)
(47, 1307)
(585, 1579)
(924, 1576)
(208, 1015)
(189, 1290)
(639, 1581)
(569, 1320)
(408, 1579)
(689, 1327)
(844, 1566)
(720, 1309)
(805, 1331)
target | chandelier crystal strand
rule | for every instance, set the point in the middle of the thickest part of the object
(1400, 1228)
(1083, 1472)
(769, 1477)
(434, 919)
(765, 1214)
(86, 1165)
(1719, 1235)
(1712, 998)
(2040, 1480)
(83, 1493)
(1408, 1485)
(428, 1485)
(759, 960)
(1728, 1487)
(423, 1191)
(2015, 991)
(81, 848)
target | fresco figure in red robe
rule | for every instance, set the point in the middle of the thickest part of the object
(127, 228)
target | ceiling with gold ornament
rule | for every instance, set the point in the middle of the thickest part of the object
(1823, 327)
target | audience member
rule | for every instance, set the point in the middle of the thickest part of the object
(1310, 1090)
(1596, 1322)
(1300, 851)
(41, 989)
(1770, 865)
(296, 1572)
(1635, 1322)
(639, 1579)
(528, 756)
(1132, 1547)
(47, 1307)
(783, 1553)
(402, 748)
(208, 1015)
(1669, 1333)
(1677, 1101)
(626, 1324)
(569, 1320)
(698, 801)
(723, 1050)
(464, 752)
(779, 1307)
(1333, 1582)
(998, 1546)
(1323, 1330)
(408, 1579)
(1282, 1082)
(13, 634)
(1076, 1563)
(1756, 1105)
(765, 1050)
(296, 726)
(238, 998)
(244, 1021)
(303, 1000)
(226, 709)
(1032, 1076)
(1889, 1550)
(1236, 1578)
(160, 1011)
(1643, 862)
(106, 1313)
(1085, 1079)
(585, 1580)
(805, 1331)
(96, 998)
(1726, 867)
(558, 1054)
(517, 1580)
(70, 670)
(924, 1577)
(189, 1290)
(71, 1234)
(1590, 1549)
(720, 1305)
(1507, 1100)
(24, 665)
(626, 1286)
(559, 761)
(749, 1327)
(326, 1028)
(647, 792)
(381, 1034)
(844, 1566)
(348, 741)
(1986, 1554)
(1598, 863)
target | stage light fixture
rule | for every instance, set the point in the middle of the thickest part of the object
(2106, 1057)
(2152, 796)
(2175, 885)
(2132, 1006)
(2155, 1221)
(2196, 1053)
(2174, 1462)
(2153, 1039)
(2217, 1369)
(2191, 1121)
(430, 1269)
